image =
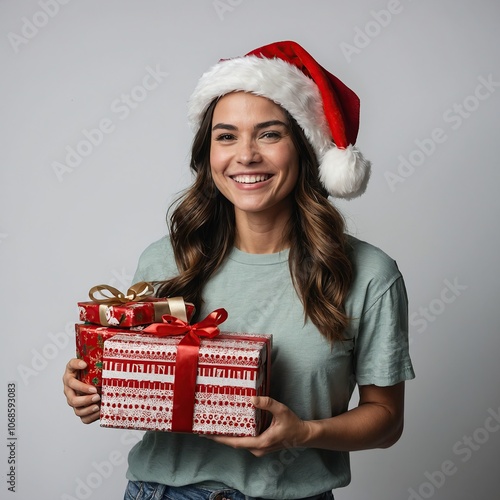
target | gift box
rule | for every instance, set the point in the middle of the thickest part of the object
(149, 310)
(147, 386)
(110, 307)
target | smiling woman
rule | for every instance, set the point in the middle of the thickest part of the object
(257, 234)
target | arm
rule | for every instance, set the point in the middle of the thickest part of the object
(81, 397)
(377, 422)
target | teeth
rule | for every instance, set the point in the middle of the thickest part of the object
(251, 179)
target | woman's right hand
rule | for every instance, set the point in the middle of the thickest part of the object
(83, 398)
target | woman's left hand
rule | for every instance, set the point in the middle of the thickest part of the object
(286, 430)
(377, 422)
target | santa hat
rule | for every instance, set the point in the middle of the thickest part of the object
(325, 109)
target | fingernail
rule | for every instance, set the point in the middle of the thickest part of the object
(96, 398)
(92, 389)
(82, 364)
(95, 409)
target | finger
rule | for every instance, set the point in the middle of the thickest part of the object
(251, 444)
(75, 364)
(87, 410)
(71, 383)
(92, 416)
(83, 398)
(268, 404)
(79, 395)
(77, 401)
(261, 401)
(90, 419)
(233, 442)
(79, 387)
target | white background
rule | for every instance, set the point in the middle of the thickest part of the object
(66, 70)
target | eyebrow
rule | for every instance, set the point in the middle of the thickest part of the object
(258, 126)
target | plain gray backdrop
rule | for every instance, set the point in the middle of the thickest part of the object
(93, 151)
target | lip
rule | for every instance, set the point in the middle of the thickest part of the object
(251, 185)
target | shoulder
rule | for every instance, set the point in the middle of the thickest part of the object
(370, 261)
(156, 262)
(375, 272)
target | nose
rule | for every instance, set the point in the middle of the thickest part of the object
(248, 152)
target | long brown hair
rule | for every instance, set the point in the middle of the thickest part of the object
(202, 232)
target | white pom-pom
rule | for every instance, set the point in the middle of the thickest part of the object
(344, 172)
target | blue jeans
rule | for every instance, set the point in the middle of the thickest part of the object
(137, 490)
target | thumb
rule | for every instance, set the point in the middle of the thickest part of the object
(263, 402)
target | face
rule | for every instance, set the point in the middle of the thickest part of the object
(253, 160)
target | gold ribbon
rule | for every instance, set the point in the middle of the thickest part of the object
(177, 308)
(113, 296)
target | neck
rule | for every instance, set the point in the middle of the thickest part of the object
(257, 235)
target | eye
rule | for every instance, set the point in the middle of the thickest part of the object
(271, 135)
(225, 137)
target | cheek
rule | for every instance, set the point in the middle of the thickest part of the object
(216, 171)
(217, 161)
(291, 167)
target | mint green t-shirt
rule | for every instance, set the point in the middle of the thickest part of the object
(309, 377)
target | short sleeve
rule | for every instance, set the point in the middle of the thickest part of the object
(156, 262)
(381, 347)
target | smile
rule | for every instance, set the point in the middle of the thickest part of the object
(251, 179)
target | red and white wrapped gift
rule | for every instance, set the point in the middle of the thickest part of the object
(197, 382)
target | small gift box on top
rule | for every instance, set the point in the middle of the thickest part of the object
(135, 308)
(186, 378)
(128, 313)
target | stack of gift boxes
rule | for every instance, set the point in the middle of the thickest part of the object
(157, 371)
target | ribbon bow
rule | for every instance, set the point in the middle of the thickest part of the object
(186, 361)
(135, 293)
(208, 327)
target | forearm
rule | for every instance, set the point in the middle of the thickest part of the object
(368, 426)
(377, 422)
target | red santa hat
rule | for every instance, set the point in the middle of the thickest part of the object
(325, 109)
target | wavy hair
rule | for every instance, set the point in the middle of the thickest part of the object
(202, 232)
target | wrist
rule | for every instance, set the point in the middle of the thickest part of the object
(308, 435)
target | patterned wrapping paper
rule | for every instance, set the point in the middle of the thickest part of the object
(139, 380)
(89, 347)
(148, 310)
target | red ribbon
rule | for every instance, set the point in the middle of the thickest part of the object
(186, 362)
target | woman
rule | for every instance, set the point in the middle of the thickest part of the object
(257, 235)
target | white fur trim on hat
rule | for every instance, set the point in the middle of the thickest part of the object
(275, 79)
